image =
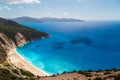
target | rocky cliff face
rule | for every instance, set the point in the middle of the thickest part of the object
(6, 44)
(20, 39)
(13, 35)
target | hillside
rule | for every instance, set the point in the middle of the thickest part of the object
(13, 35)
(10, 30)
(112, 74)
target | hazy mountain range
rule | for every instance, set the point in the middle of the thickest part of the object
(45, 19)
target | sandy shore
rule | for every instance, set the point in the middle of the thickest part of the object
(18, 61)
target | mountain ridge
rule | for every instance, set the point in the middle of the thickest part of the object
(46, 19)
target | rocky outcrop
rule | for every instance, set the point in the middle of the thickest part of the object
(14, 35)
(7, 44)
(20, 39)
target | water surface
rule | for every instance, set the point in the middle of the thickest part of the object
(88, 45)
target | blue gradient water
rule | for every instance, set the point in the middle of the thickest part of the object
(74, 46)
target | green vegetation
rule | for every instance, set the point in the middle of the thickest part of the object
(10, 28)
(6, 75)
(98, 79)
(6, 64)
(107, 72)
(12, 74)
(27, 73)
(2, 55)
(15, 71)
(117, 77)
(75, 79)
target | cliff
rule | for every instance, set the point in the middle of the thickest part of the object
(13, 35)
(6, 44)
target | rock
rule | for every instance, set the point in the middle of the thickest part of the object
(20, 39)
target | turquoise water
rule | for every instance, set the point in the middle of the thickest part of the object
(88, 45)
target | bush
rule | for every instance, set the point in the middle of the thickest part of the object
(5, 63)
(15, 71)
(27, 73)
(107, 72)
(117, 77)
(98, 79)
(88, 75)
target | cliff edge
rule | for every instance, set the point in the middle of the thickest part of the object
(13, 35)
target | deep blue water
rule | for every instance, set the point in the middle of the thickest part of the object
(88, 45)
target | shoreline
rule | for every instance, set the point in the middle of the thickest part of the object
(18, 61)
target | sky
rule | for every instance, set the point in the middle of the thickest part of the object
(82, 9)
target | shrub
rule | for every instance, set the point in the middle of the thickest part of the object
(98, 79)
(88, 75)
(107, 72)
(27, 73)
(117, 77)
(15, 71)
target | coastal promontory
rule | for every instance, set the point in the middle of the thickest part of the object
(14, 35)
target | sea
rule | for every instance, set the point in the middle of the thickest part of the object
(89, 45)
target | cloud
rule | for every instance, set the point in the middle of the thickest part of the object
(5, 7)
(20, 1)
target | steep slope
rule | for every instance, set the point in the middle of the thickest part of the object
(13, 34)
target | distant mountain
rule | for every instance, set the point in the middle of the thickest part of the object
(46, 19)
(26, 19)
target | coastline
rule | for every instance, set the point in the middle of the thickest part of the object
(18, 61)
